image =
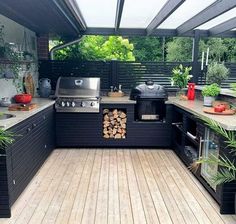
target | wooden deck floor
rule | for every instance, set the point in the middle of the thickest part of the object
(115, 186)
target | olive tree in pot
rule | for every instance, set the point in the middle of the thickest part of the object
(216, 73)
(209, 93)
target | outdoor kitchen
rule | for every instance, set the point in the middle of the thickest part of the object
(126, 116)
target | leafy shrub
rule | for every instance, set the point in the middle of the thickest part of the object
(216, 73)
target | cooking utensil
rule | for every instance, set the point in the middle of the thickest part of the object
(23, 98)
(211, 110)
(22, 107)
(29, 84)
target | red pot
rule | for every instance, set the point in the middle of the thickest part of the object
(23, 98)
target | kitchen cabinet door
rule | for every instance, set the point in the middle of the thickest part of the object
(31, 150)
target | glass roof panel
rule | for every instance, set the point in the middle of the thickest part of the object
(98, 13)
(185, 12)
(219, 19)
(139, 13)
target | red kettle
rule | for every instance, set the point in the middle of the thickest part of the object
(191, 91)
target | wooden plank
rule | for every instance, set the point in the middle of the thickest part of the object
(135, 197)
(176, 192)
(103, 189)
(170, 202)
(34, 201)
(53, 187)
(113, 194)
(205, 199)
(70, 196)
(187, 194)
(149, 208)
(36, 182)
(91, 200)
(55, 206)
(113, 186)
(148, 184)
(126, 215)
(81, 194)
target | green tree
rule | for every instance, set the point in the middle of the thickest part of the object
(180, 49)
(98, 48)
(147, 48)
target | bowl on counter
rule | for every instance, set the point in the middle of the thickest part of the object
(23, 98)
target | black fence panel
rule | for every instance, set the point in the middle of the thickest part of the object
(128, 74)
(131, 74)
(54, 69)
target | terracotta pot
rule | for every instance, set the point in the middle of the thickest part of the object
(23, 98)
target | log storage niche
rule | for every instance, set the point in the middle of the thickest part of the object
(114, 123)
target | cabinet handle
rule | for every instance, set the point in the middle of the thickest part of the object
(177, 123)
(34, 125)
(200, 147)
(28, 129)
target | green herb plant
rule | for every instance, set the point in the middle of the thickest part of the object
(211, 90)
(181, 76)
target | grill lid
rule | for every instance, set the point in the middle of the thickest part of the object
(149, 90)
(78, 87)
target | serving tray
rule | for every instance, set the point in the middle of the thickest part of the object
(22, 107)
(210, 110)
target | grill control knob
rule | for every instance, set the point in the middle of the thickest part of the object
(73, 104)
(92, 104)
(63, 104)
(82, 104)
(67, 104)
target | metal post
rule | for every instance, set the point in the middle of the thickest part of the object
(195, 64)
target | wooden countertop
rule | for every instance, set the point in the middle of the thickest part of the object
(23, 115)
(196, 107)
(117, 100)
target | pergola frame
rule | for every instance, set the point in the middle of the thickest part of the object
(74, 25)
(64, 17)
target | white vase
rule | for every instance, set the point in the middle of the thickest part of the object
(208, 101)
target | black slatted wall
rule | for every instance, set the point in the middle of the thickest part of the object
(55, 69)
(132, 74)
(128, 74)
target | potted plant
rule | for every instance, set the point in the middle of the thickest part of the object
(180, 77)
(216, 73)
(209, 93)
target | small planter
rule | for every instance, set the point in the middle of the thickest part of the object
(208, 100)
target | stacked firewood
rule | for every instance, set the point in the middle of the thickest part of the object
(114, 123)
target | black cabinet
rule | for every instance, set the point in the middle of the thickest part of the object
(86, 130)
(191, 139)
(34, 140)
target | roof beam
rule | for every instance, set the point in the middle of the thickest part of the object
(156, 32)
(163, 14)
(74, 8)
(212, 11)
(223, 27)
(119, 10)
(64, 13)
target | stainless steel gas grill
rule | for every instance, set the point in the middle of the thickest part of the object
(75, 94)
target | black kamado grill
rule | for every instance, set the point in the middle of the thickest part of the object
(150, 99)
